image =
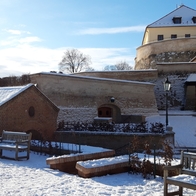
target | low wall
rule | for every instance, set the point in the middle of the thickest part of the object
(68, 163)
(176, 67)
(115, 141)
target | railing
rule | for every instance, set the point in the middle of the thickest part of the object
(143, 127)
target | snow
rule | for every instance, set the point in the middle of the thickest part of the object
(120, 159)
(95, 78)
(12, 145)
(34, 178)
(183, 11)
(83, 148)
(184, 126)
(7, 93)
(191, 78)
(104, 161)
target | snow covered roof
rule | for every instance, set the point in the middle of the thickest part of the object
(8, 93)
(184, 16)
(191, 78)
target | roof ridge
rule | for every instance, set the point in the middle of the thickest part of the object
(180, 7)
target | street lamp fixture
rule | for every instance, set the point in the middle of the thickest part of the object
(167, 85)
(112, 99)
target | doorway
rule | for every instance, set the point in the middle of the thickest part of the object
(110, 111)
(105, 112)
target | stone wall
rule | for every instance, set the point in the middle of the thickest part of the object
(79, 97)
(136, 75)
(180, 97)
(176, 95)
(175, 50)
(177, 73)
(176, 68)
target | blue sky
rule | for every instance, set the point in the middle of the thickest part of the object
(34, 34)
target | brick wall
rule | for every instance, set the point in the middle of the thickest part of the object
(14, 115)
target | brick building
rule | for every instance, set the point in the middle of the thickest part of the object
(27, 109)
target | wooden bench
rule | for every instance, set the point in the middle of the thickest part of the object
(15, 141)
(186, 166)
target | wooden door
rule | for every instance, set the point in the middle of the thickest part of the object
(105, 112)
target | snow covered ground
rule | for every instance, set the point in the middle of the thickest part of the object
(184, 126)
(34, 178)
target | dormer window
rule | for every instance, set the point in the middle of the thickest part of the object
(177, 20)
(194, 19)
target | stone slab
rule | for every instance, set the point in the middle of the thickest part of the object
(108, 168)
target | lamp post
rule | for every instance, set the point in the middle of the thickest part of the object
(167, 85)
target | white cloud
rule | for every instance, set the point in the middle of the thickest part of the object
(25, 59)
(95, 31)
(16, 32)
(8, 42)
(108, 56)
(18, 37)
(19, 55)
(15, 40)
(29, 40)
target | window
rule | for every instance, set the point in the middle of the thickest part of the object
(173, 36)
(177, 20)
(187, 35)
(31, 111)
(105, 112)
(160, 37)
(194, 19)
(100, 113)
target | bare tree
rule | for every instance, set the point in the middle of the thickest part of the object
(123, 65)
(88, 69)
(74, 61)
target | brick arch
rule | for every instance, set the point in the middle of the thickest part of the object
(36, 135)
(110, 110)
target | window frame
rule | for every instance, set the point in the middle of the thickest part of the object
(194, 19)
(173, 36)
(160, 37)
(177, 20)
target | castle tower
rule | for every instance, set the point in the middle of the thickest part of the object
(169, 39)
